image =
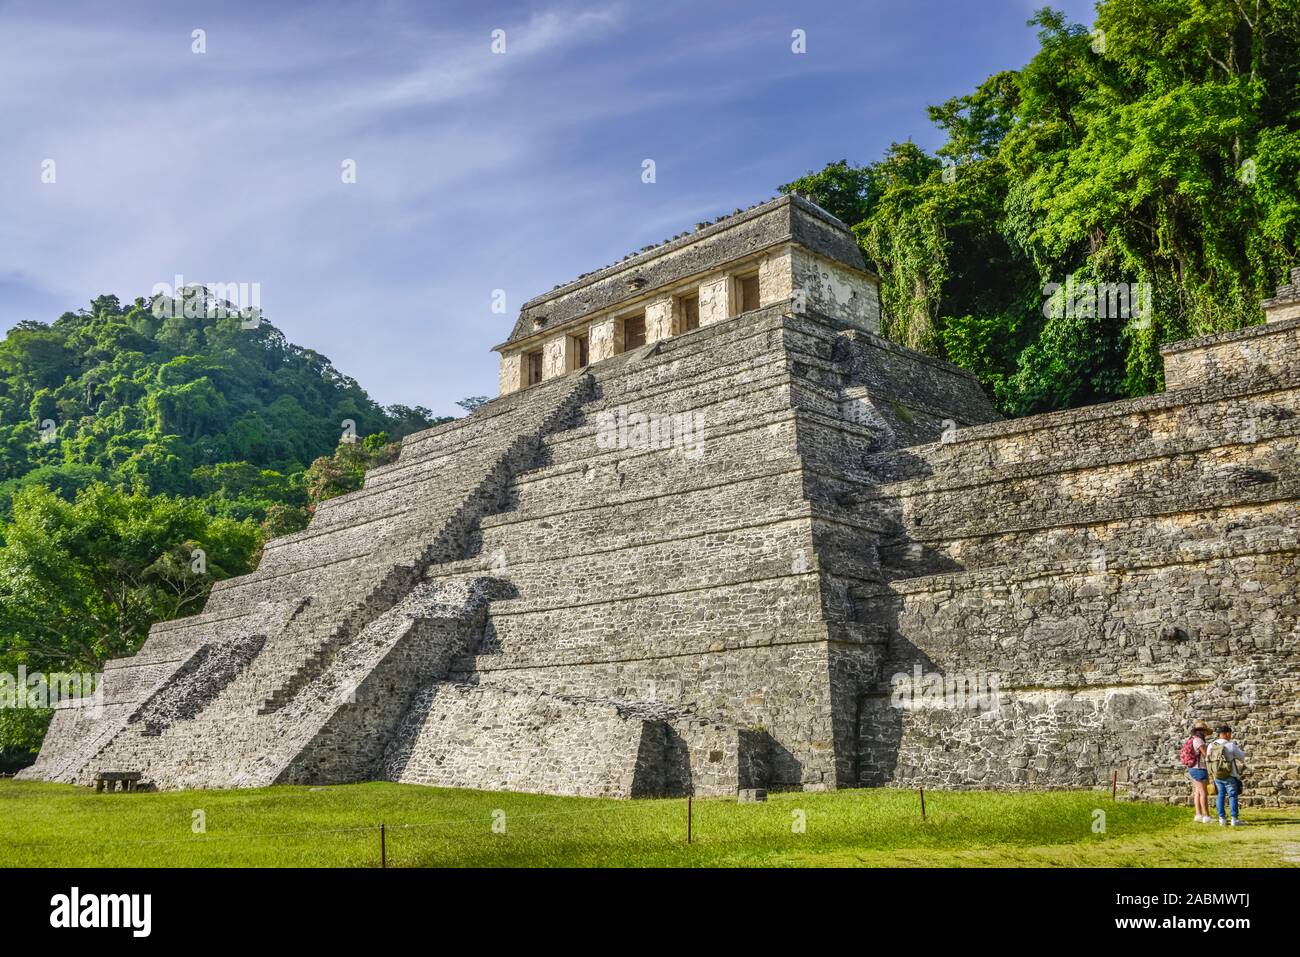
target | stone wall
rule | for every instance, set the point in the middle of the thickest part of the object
(1118, 572)
(1226, 356)
(827, 287)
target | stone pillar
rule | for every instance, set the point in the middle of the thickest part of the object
(715, 299)
(604, 340)
(835, 290)
(555, 356)
(659, 319)
(776, 276)
(511, 376)
(1286, 304)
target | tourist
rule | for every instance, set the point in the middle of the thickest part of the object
(1193, 758)
(1225, 761)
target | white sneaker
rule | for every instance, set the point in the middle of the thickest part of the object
(1222, 822)
(1236, 822)
(1206, 819)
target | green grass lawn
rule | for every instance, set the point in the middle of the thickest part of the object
(58, 825)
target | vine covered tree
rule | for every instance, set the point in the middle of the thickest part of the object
(1161, 148)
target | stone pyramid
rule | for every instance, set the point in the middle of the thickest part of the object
(717, 533)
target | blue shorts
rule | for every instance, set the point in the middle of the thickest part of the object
(1198, 774)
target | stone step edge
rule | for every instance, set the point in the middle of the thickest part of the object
(490, 410)
(482, 564)
(1285, 490)
(576, 433)
(200, 618)
(1256, 386)
(560, 388)
(343, 525)
(777, 377)
(608, 457)
(807, 634)
(773, 378)
(511, 607)
(254, 578)
(1044, 468)
(1090, 682)
(777, 468)
(694, 345)
(502, 518)
(1018, 573)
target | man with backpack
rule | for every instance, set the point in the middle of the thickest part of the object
(1226, 761)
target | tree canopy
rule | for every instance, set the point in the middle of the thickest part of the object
(1160, 148)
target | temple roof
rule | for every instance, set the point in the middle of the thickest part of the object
(789, 218)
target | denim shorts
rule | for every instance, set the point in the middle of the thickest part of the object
(1198, 774)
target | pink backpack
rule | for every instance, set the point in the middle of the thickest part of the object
(1188, 754)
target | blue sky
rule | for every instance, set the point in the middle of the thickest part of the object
(475, 171)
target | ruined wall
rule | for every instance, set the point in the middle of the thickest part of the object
(1119, 571)
(461, 735)
(519, 738)
(831, 289)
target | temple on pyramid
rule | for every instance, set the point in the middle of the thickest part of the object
(718, 534)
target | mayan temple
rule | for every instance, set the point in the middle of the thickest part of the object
(717, 533)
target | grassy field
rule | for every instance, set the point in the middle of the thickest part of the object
(58, 825)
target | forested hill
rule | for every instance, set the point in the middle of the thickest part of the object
(1159, 149)
(182, 405)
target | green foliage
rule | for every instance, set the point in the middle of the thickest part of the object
(1162, 149)
(162, 402)
(344, 471)
(21, 731)
(82, 581)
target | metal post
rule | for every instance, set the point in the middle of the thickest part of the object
(383, 847)
(922, 804)
(1114, 783)
(689, 822)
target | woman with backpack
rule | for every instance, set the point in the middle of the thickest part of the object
(1193, 758)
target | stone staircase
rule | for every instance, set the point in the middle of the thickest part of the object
(337, 588)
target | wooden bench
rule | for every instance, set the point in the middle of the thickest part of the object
(116, 780)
